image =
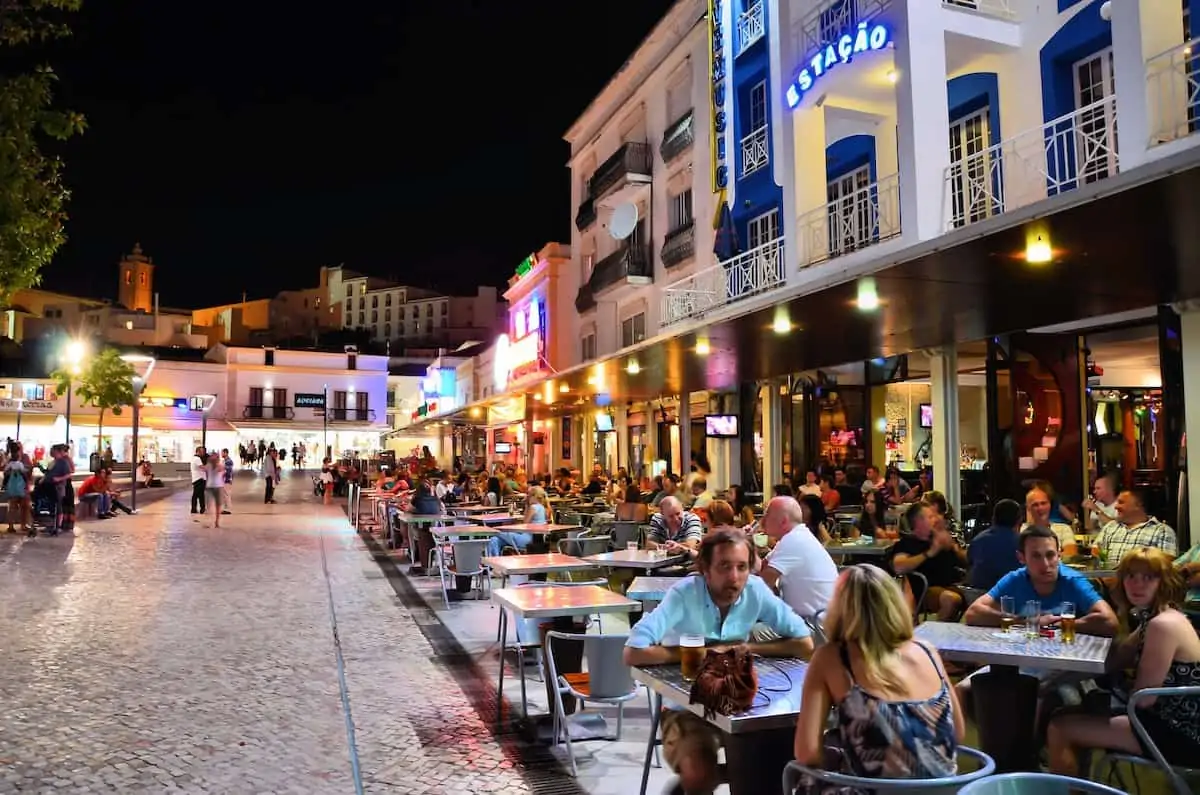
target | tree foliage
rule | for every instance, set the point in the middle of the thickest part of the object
(32, 194)
(104, 381)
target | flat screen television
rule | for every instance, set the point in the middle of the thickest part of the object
(721, 426)
(503, 448)
(604, 423)
(926, 415)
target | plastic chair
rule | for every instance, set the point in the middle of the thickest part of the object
(1175, 774)
(468, 562)
(607, 681)
(793, 773)
(1035, 784)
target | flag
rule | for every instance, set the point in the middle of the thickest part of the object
(725, 242)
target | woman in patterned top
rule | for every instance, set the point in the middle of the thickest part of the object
(1164, 650)
(897, 715)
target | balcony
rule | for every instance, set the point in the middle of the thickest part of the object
(630, 264)
(755, 152)
(758, 271)
(268, 413)
(852, 222)
(586, 215)
(679, 137)
(619, 177)
(351, 415)
(829, 20)
(1173, 93)
(1072, 150)
(679, 245)
(751, 26)
(1000, 9)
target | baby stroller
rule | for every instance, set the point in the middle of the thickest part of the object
(46, 506)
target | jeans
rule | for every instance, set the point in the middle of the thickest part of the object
(198, 496)
(269, 494)
(520, 541)
(102, 502)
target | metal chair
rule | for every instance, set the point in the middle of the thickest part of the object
(468, 562)
(1035, 784)
(1176, 775)
(794, 772)
(582, 546)
(816, 625)
(622, 533)
(607, 681)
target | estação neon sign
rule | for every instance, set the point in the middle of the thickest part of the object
(864, 39)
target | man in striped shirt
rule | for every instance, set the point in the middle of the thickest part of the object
(1134, 528)
(673, 523)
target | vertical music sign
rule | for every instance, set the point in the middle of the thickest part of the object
(716, 71)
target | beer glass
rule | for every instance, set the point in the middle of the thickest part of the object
(631, 546)
(691, 654)
(1033, 615)
(1008, 613)
(1067, 622)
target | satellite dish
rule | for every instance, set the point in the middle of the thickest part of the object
(624, 220)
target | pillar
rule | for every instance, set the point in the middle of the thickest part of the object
(1142, 29)
(809, 185)
(772, 434)
(947, 477)
(782, 61)
(922, 117)
(685, 433)
(1189, 326)
(621, 438)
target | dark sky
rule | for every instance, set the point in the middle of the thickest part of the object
(246, 144)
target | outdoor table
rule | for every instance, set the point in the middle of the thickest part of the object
(467, 510)
(651, 590)
(1006, 700)
(536, 564)
(872, 549)
(561, 605)
(418, 520)
(759, 742)
(490, 519)
(647, 559)
(546, 530)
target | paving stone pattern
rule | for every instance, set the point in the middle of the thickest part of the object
(154, 653)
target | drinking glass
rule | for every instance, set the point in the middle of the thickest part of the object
(1008, 613)
(631, 546)
(1067, 616)
(1033, 612)
(691, 653)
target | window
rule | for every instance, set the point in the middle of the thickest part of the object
(442, 322)
(680, 210)
(362, 318)
(633, 330)
(679, 95)
(374, 302)
(362, 288)
(971, 174)
(129, 277)
(269, 357)
(586, 259)
(142, 278)
(254, 408)
(349, 306)
(387, 315)
(387, 331)
(349, 291)
(374, 316)
(351, 361)
(588, 348)
(850, 211)
(758, 107)
(391, 398)
(387, 300)
(279, 404)
(1096, 130)
(428, 310)
(445, 308)
(762, 229)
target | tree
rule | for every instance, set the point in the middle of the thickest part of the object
(32, 195)
(106, 382)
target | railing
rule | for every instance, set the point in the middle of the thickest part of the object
(629, 260)
(631, 158)
(586, 215)
(679, 137)
(1059, 156)
(1001, 9)
(268, 413)
(855, 221)
(830, 20)
(1173, 92)
(351, 415)
(755, 153)
(757, 271)
(751, 27)
(679, 244)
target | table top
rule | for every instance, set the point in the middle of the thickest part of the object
(417, 518)
(780, 684)
(535, 564)
(988, 645)
(537, 529)
(636, 559)
(471, 508)
(651, 589)
(854, 548)
(472, 530)
(552, 601)
(491, 518)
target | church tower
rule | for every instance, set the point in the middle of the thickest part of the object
(135, 289)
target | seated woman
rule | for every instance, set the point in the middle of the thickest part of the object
(424, 503)
(146, 474)
(897, 716)
(871, 518)
(1165, 652)
(491, 497)
(536, 511)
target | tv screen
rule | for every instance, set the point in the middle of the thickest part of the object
(604, 423)
(503, 447)
(926, 415)
(721, 426)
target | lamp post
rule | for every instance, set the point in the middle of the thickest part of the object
(72, 357)
(139, 385)
(202, 404)
(325, 420)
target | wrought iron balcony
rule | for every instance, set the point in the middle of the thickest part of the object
(757, 271)
(631, 264)
(858, 220)
(1173, 88)
(755, 152)
(679, 137)
(631, 162)
(679, 244)
(586, 215)
(751, 27)
(268, 413)
(351, 415)
(826, 23)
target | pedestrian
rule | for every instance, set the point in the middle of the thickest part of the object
(199, 477)
(215, 484)
(271, 473)
(227, 483)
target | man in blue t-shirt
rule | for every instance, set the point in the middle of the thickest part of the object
(994, 552)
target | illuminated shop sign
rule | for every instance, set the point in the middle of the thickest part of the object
(716, 73)
(163, 402)
(523, 352)
(864, 39)
(20, 404)
(527, 265)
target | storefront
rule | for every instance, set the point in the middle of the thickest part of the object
(36, 423)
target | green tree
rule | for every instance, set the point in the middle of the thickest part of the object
(105, 381)
(32, 195)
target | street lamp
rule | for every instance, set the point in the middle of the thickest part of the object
(72, 358)
(202, 404)
(146, 365)
(325, 420)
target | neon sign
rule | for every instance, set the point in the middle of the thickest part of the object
(523, 352)
(527, 265)
(716, 72)
(864, 39)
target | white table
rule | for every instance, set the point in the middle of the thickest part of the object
(875, 549)
(491, 519)
(646, 559)
(651, 590)
(535, 564)
(988, 645)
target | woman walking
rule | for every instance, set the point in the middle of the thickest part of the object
(214, 479)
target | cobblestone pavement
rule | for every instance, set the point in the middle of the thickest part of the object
(153, 653)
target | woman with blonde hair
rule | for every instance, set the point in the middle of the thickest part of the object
(1161, 645)
(536, 512)
(898, 717)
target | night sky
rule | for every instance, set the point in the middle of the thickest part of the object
(247, 144)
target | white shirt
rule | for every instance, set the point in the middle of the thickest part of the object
(806, 489)
(441, 489)
(198, 469)
(807, 573)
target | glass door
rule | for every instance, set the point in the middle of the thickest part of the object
(850, 211)
(1096, 124)
(974, 190)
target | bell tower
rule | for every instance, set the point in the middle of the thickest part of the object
(135, 288)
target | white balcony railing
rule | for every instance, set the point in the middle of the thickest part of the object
(751, 27)
(1173, 92)
(757, 271)
(1059, 156)
(829, 20)
(1001, 9)
(855, 221)
(755, 153)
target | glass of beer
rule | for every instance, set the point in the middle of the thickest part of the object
(1008, 613)
(1067, 617)
(691, 654)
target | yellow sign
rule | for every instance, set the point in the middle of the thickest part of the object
(716, 94)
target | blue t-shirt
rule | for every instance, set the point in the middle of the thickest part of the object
(537, 513)
(1070, 587)
(993, 553)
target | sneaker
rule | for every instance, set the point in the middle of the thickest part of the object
(226, 513)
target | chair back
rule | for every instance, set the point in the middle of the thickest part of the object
(468, 555)
(1035, 784)
(632, 512)
(583, 546)
(623, 532)
(816, 625)
(608, 675)
(794, 772)
(1178, 784)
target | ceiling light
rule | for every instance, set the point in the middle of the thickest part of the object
(868, 297)
(564, 388)
(1038, 251)
(632, 368)
(892, 77)
(782, 323)
(702, 348)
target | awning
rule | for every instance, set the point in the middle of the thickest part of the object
(28, 419)
(189, 422)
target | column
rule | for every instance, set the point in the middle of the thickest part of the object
(685, 434)
(1189, 325)
(809, 185)
(1142, 29)
(947, 477)
(587, 453)
(782, 61)
(922, 117)
(621, 426)
(772, 433)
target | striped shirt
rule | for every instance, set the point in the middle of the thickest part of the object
(690, 529)
(1118, 540)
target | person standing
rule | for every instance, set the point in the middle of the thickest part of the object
(214, 471)
(196, 469)
(226, 482)
(271, 473)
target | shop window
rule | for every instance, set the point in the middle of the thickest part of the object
(633, 330)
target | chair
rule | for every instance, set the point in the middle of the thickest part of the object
(793, 773)
(607, 681)
(622, 533)
(582, 546)
(816, 625)
(632, 512)
(468, 562)
(1034, 784)
(1177, 776)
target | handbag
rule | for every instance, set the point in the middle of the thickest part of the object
(726, 683)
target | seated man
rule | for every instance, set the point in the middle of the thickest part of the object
(994, 552)
(1134, 528)
(722, 605)
(1039, 507)
(934, 553)
(94, 490)
(673, 523)
(799, 568)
